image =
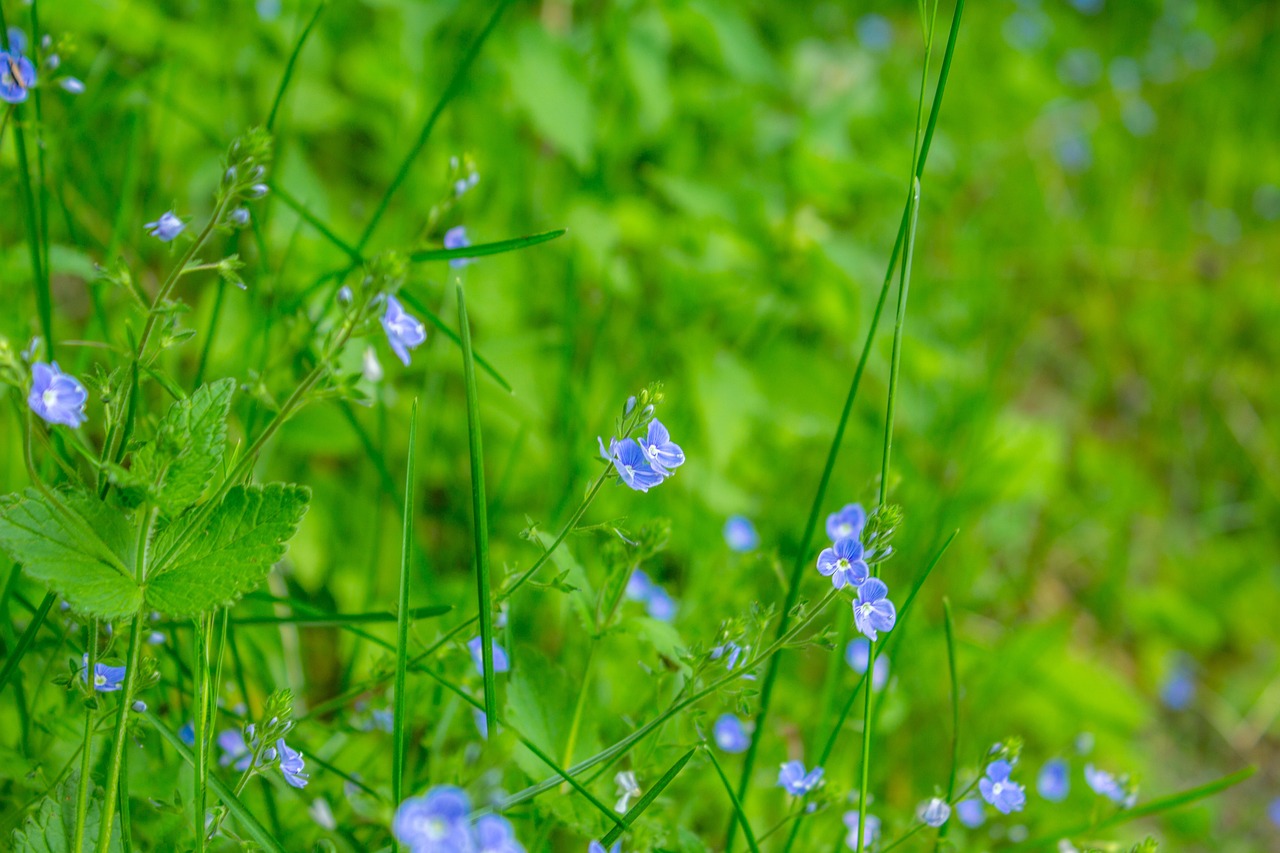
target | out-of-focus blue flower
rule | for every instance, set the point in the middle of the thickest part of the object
(1027, 29)
(435, 822)
(858, 652)
(500, 663)
(731, 651)
(292, 765)
(1273, 811)
(1080, 67)
(17, 39)
(970, 813)
(17, 76)
(870, 829)
(384, 719)
(843, 563)
(597, 847)
(72, 85)
(404, 331)
(629, 461)
(322, 813)
(873, 611)
(740, 534)
(456, 238)
(155, 638)
(1179, 687)
(234, 750)
(187, 734)
(139, 706)
(730, 735)
(847, 523)
(1106, 784)
(1073, 152)
(481, 719)
(935, 812)
(1054, 781)
(660, 605)
(494, 834)
(57, 397)
(999, 790)
(795, 781)
(345, 295)
(1138, 117)
(166, 227)
(240, 216)
(106, 679)
(1088, 7)
(875, 32)
(662, 454)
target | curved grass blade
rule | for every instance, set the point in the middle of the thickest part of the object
(25, 641)
(402, 622)
(736, 803)
(949, 625)
(418, 305)
(480, 250)
(311, 219)
(289, 66)
(647, 800)
(480, 517)
(256, 830)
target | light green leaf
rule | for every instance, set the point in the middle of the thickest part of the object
(52, 828)
(231, 555)
(81, 551)
(188, 446)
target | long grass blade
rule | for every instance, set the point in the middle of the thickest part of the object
(314, 221)
(289, 66)
(949, 625)
(400, 724)
(649, 796)
(480, 250)
(25, 641)
(736, 803)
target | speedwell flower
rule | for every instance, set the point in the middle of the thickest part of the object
(873, 611)
(628, 788)
(494, 834)
(456, 238)
(858, 653)
(730, 735)
(935, 812)
(662, 454)
(870, 829)
(1001, 791)
(57, 397)
(1107, 785)
(292, 765)
(436, 822)
(106, 679)
(17, 76)
(404, 331)
(793, 778)
(500, 662)
(597, 847)
(740, 534)
(632, 465)
(846, 523)
(234, 750)
(843, 563)
(1053, 782)
(970, 813)
(166, 227)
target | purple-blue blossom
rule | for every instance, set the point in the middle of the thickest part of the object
(1179, 686)
(106, 679)
(795, 781)
(935, 812)
(235, 752)
(970, 813)
(597, 847)
(291, 765)
(500, 662)
(57, 397)
(730, 735)
(730, 651)
(494, 834)
(404, 331)
(870, 829)
(166, 227)
(858, 653)
(1054, 782)
(187, 734)
(435, 822)
(843, 563)
(873, 611)
(456, 238)
(660, 605)
(846, 523)
(631, 464)
(17, 75)
(1106, 784)
(740, 534)
(999, 790)
(662, 454)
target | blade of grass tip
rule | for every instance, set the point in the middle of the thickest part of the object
(402, 621)
(480, 250)
(736, 803)
(479, 511)
(418, 305)
(25, 641)
(450, 92)
(647, 800)
(797, 568)
(310, 218)
(1154, 807)
(289, 66)
(949, 625)
(237, 809)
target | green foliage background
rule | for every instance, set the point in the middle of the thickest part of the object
(1088, 381)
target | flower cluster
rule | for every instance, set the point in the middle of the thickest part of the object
(255, 748)
(646, 461)
(847, 563)
(439, 821)
(657, 601)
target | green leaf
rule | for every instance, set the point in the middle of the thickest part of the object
(79, 549)
(231, 555)
(188, 447)
(52, 828)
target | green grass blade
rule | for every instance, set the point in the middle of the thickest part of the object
(649, 796)
(418, 305)
(337, 620)
(25, 641)
(480, 514)
(480, 250)
(289, 66)
(450, 92)
(741, 819)
(402, 623)
(949, 625)
(311, 219)
(255, 830)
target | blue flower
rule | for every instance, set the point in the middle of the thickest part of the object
(969, 812)
(57, 397)
(847, 523)
(858, 652)
(731, 651)
(404, 331)
(597, 847)
(730, 735)
(155, 638)
(481, 719)
(843, 563)
(797, 783)
(17, 76)
(875, 32)
(383, 719)
(655, 599)
(1106, 784)
(240, 216)
(662, 454)
(870, 829)
(1179, 686)
(629, 461)
(187, 734)
(495, 835)
(17, 39)
(873, 611)
(73, 85)
(500, 661)
(106, 679)
(139, 706)
(1001, 791)
(234, 750)
(166, 227)
(456, 238)
(436, 822)
(740, 534)
(935, 812)
(1054, 782)
(1273, 811)
(291, 765)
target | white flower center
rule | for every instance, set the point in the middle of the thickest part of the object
(435, 829)
(997, 789)
(842, 564)
(49, 398)
(99, 680)
(845, 530)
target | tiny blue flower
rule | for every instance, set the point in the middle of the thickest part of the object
(17, 39)
(456, 238)
(1054, 782)
(166, 227)
(139, 706)
(481, 719)
(843, 563)
(970, 813)
(155, 638)
(639, 586)
(1106, 784)
(106, 679)
(384, 719)
(661, 606)
(291, 765)
(662, 454)
(1001, 791)
(740, 534)
(494, 834)
(858, 652)
(51, 62)
(1273, 811)
(597, 847)
(17, 76)
(935, 812)
(873, 611)
(795, 781)
(345, 295)
(870, 829)
(240, 216)
(730, 735)
(436, 822)
(72, 85)
(404, 331)
(187, 734)
(633, 467)
(235, 752)
(57, 397)
(731, 651)
(500, 661)
(1179, 687)
(847, 523)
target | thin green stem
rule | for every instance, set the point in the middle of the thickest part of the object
(86, 749)
(117, 745)
(289, 66)
(571, 742)
(949, 625)
(399, 723)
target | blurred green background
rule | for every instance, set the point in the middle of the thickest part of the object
(1088, 386)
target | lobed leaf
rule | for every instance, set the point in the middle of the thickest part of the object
(188, 448)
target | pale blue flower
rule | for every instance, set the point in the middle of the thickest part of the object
(235, 752)
(187, 734)
(597, 847)
(139, 706)
(291, 765)
(660, 605)
(57, 397)
(1107, 785)
(166, 227)
(730, 735)
(1179, 686)
(404, 331)
(456, 238)
(72, 85)
(500, 661)
(731, 651)
(17, 76)
(494, 834)
(843, 563)
(662, 454)
(873, 611)
(240, 216)
(795, 781)
(435, 822)
(999, 790)
(106, 679)
(870, 829)
(632, 465)
(1273, 811)
(740, 534)
(858, 653)
(970, 813)
(1054, 782)
(17, 39)
(935, 812)
(847, 523)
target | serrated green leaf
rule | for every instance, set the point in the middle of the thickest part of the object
(52, 828)
(231, 555)
(79, 551)
(188, 447)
